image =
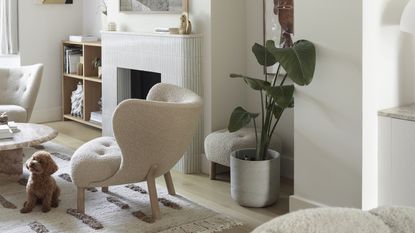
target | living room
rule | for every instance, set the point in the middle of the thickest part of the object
(206, 116)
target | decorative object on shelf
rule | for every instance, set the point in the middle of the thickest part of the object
(112, 27)
(80, 38)
(77, 99)
(185, 25)
(174, 31)
(4, 118)
(161, 30)
(100, 104)
(298, 60)
(96, 63)
(53, 1)
(80, 69)
(153, 6)
(408, 18)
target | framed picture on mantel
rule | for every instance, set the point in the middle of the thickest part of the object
(154, 6)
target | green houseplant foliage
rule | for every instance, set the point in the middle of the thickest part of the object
(299, 62)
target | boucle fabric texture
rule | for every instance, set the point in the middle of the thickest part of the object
(14, 112)
(343, 220)
(156, 131)
(220, 144)
(18, 91)
(95, 161)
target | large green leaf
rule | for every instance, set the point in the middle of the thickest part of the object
(299, 61)
(277, 111)
(254, 83)
(240, 118)
(263, 56)
(283, 95)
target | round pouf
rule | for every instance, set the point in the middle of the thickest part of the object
(220, 144)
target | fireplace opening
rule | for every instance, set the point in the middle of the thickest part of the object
(135, 84)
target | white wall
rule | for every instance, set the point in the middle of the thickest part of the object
(41, 30)
(328, 113)
(92, 17)
(9, 61)
(388, 81)
(228, 56)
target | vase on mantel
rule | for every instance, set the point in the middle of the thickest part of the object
(104, 22)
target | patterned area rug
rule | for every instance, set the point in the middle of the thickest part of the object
(125, 208)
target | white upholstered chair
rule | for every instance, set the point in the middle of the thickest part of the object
(18, 91)
(150, 137)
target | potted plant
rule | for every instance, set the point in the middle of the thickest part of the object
(96, 63)
(255, 172)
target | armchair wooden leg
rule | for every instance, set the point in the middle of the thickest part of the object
(80, 200)
(212, 174)
(105, 189)
(152, 191)
(169, 183)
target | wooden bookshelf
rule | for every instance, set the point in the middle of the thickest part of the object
(92, 84)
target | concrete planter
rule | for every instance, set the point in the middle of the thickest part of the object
(255, 183)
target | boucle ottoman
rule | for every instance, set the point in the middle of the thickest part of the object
(343, 220)
(220, 144)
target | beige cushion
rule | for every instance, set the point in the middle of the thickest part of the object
(325, 220)
(19, 86)
(398, 219)
(220, 144)
(95, 161)
(14, 112)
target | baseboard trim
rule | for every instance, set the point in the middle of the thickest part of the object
(46, 115)
(299, 203)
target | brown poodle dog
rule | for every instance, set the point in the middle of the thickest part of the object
(41, 187)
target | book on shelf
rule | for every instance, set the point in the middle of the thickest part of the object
(72, 57)
(5, 132)
(96, 117)
(75, 38)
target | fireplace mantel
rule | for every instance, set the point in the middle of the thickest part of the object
(177, 58)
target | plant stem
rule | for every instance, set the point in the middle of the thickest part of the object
(262, 107)
(276, 75)
(283, 80)
(256, 135)
(275, 125)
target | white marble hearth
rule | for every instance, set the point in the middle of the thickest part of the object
(176, 57)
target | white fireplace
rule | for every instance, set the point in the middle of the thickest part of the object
(175, 58)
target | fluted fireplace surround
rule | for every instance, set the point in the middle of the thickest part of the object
(176, 57)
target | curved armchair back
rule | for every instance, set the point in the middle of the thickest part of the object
(156, 131)
(20, 86)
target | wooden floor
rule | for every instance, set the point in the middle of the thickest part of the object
(198, 188)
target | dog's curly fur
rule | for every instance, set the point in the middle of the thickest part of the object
(41, 186)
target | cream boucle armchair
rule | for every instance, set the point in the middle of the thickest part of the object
(18, 91)
(150, 137)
